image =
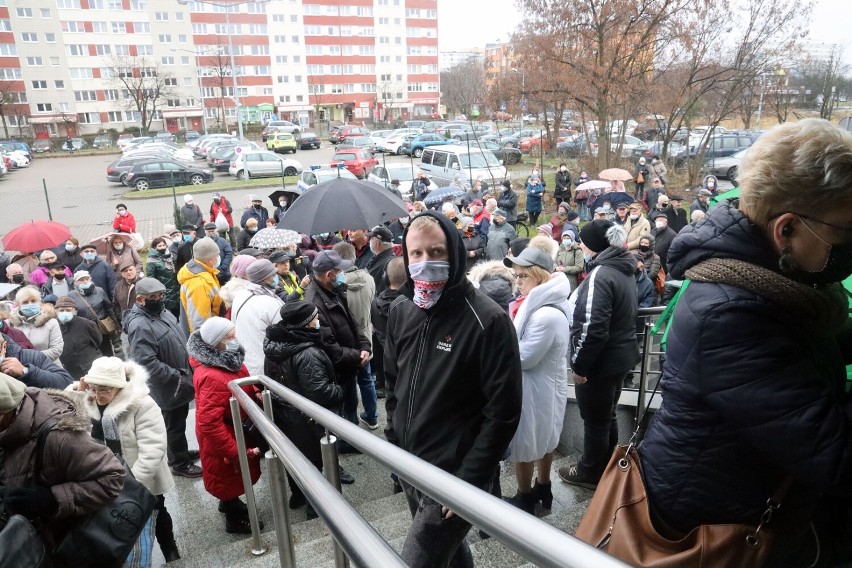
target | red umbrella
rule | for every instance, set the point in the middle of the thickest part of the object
(36, 236)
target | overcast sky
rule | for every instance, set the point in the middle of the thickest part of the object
(473, 23)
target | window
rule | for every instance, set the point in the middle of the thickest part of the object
(64, 107)
(8, 49)
(50, 38)
(115, 5)
(68, 4)
(171, 81)
(5, 26)
(257, 29)
(114, 116)
(35, 61)
(123, 50)
(199, 28)
(10, 74)
(89, 117)
(184, 60)
(182, 38)
(384, 21)
(145, 49)
(44, 107)
(29, 37)
(39, 85)
(103, 50)
(167, 60)
(262, 70)
(82, 96)
(141, 27)
(76, 50)
(161, 16)
(73, 27)
(187, 81)
(179, 16)
(283, 79)
(368, 87)
(313, 49)
(173, 102)
(260, 50)
(280, 59)
(45, 12)
(139, 5)
(132, 116)
(366, 50)
(54, 61)
(294, 19)
(278, 18)
(164, 39)
(80, 73)
(24, 12)
(100, 27)
(313, 30)
(365, 11)
(111, 94)
(121, 28)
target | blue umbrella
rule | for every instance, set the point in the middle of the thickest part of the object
(443, 194)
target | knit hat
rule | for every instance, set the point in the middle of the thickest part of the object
(546, 228)
(465, 221)
(126, 264)
(214, 330)
(65, 302)
(499, 212)
(298, 314)
(570, 232)
(506, 183)
(260, 270)
(11, 393)
(107, 372)
(81, 274)
(600, 234)
(564, 205)
(149, 285)
(240, 263)
(572, 215)
(187, 198)
(204, 249)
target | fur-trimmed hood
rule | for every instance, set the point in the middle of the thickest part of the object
(47, 313)
(126, 400)
(489, 270)
(212, 357)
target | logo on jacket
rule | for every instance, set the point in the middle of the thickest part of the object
(446, 344)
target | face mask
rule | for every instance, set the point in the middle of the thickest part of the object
(587, 258)
(404, 220)
(187, 238)
(211, 235)
(644, 248)
(534, 174)
(60, 276)
(567, 242)
(30, 310)
(660, 224)
(252, 229)
(18, 279)
(563, 213)
(317, 325)
(190, 203)
(177, 240)
(282, 204)
(85, 286)
(64, 317)
(607, 206)
(218, 262)
(256, 205)
(340, 280)
(232, 345)
(70, 248)
(154, 306)
(634, 217)
(469, 230)
(163, 251)
(563, 169)
(429, 277)
(837, 267)
(122, 213)
(275, 281)
(216, 200)
(118, 246)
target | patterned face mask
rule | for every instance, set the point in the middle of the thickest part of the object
(429, 277)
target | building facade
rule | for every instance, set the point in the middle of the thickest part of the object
(71, 67)
(449, 59)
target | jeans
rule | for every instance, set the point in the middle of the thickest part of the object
(368, 392)
(583, 210)
(178, 448)
(597, 399)
(433, 541)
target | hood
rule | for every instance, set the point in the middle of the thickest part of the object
(126, 400)
(282, 343)
(194, 268)
(498, 289)
(554, 292)
(40, 405)
(724, 233)
(201, 353)
(47, 313)
(356, 278)
(457, 256)
(384, 300)
(709, 177)
(618, 258)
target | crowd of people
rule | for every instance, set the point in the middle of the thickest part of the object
(471, 336)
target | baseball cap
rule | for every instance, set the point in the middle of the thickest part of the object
(329, 260)
(381, 233)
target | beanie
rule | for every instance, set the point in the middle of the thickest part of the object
(572, 215)
(260, 270)
(107, 372)
(65, 302)
(570, 232)
(600, 234)
(81, 274)
(546, 228)
(187, 198)
(11, 393)
(214, 330)
(240, 263)
(204, 249)
(298, 314)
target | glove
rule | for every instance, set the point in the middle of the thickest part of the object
(31, 502)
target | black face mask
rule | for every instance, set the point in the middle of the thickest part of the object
(154, 306)
(60, 276)
(837, 268)
(256, 206)
(18, 279)
(644, 248)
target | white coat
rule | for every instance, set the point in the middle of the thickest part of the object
(255, 308)
(543, 340)
(141, 429)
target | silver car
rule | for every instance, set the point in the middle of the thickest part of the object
(725, 167)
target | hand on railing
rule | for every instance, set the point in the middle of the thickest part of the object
(446, 513)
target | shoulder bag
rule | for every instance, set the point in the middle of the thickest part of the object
(107, 325)
(20, 545)
(618, 520)
(103, 538)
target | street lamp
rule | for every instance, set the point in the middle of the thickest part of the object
(200, 84)
(523, 88)
(227, 6)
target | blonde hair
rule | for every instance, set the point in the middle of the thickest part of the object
(26, 293)
(797, 167)
(537, 273)
(421, 222)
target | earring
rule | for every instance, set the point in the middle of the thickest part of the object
(786, 263)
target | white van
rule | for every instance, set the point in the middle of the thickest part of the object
(443, 163)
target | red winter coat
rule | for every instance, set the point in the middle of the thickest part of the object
(216, 441)
(125, 224)
(225, 207)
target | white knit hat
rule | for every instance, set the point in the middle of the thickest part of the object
(214, 330)
(11, 393)
(187, 198)
(81, 274)
(107, 372)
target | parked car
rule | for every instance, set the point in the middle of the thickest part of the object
(382, 175)
(146, 175)
(191, 135)
(394, 140)
(123, 139)
(164, 136)
(102, 141)
(508, 155)
(347, 131)
(627, 146)
(415, 145)
(393, 145)
(281, 142)
(309, 140)
(443, 163)
(118, 169)
(358, 142)
(319, 174)
(220, 157)
(41, 146)
(247, 165)
(655, 148)
(717, 147)
(726, 167)
(135, 142)
(512, 140)
(577, 146)
(281, 126)
(359, 162)
(16, 145)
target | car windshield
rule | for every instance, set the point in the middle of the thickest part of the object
(344, 157)
(401, 173)
(483, 160)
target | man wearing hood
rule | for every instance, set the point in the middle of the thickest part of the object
(604, 309)
(453, 376)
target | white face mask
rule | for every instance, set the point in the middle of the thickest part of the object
(634, 217)
(317, 324)
(404, 220)
(232, 345)
(534, 174)
(429, 277)
(660, 224)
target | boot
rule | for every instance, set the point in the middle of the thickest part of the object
(523, 501)
(234, 507)
(170, 551)
(541, 492)
(237, 524)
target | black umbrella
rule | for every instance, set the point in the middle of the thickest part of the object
(290, 194)
(342, 203)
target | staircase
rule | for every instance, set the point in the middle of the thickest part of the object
(203, 543)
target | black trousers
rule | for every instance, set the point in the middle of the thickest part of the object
(178, 448)
(163, 527)
(377, 363)
(597, 399)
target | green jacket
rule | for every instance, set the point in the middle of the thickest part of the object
(163, 269)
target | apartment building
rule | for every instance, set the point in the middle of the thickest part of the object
(81, 66)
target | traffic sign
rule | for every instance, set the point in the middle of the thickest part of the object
(502, 107)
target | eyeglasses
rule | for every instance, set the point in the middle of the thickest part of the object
(521, 276)
(100, 390)
(846, 232)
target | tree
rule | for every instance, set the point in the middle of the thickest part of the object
(386, 93)
(145, 84)
(463, 86)
(11, 95)
(216, 66)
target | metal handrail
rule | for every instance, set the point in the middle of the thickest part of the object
(358, 539)
(532, 538)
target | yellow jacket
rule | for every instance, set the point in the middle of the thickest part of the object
(199, 294)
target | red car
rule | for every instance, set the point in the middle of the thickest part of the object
(359, 162)
(347, 131)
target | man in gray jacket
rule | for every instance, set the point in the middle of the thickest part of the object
(158, 343)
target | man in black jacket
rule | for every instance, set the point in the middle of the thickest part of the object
(453, 377)
(603, 344)
(82, 339)
(346, 348)
(675, 214)
(663, 236)
(381, 243)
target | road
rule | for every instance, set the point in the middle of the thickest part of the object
(81, 198)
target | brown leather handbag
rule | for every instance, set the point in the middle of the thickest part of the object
(618, 521)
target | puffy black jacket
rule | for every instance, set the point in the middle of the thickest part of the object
(377, 267)
(455, 372)
(508, 202)
(295, 358)
(340, 336)
(603, 329)
(749, 395)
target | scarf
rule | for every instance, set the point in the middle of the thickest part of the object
(821, 310)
